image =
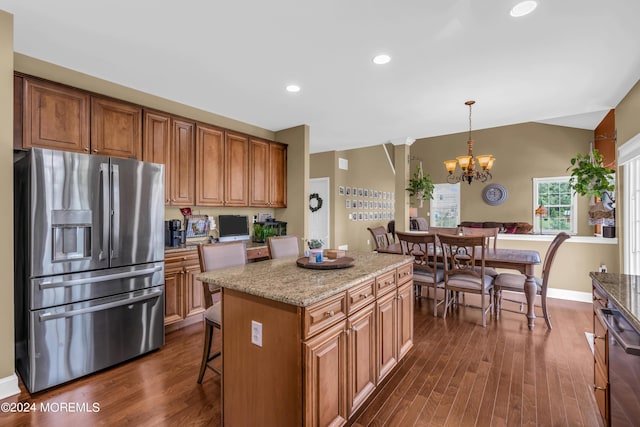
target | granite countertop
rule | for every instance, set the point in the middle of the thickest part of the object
(624, 292)
(282, 280)
(193, 246)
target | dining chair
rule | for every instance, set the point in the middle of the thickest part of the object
(423, 225)
(461, 255)
(515, 282)
(283, 246)
(451, 231)
(214, 256)
(426, 270)
(391, 229)
(380, 237)
(490, 235)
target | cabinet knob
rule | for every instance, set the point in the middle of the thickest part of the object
(329, 313)
(595, 387)
(86, 148)
(346, 331)
(597, 337)
(95, 150)
(364, 295)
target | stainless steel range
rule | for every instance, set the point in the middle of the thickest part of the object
(89, 263)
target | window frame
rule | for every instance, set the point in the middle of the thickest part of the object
(574, 205)
(437, 190)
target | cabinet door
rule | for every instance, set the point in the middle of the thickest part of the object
(259, 173)
(325, 378)
(209, 166)
(194, 295)
(116, 129)
(387, 341)
(156, 146)
(278, 175)
(182, 162)
(405, 319)
(361, 365)
(173, 285)
(55, 117)
(236, 170)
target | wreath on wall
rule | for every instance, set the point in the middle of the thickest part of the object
(318, 204)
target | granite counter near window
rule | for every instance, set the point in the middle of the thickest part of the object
(624, 292)
(282, 280)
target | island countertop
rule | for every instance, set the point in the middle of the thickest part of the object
(624, 292)
(282, 280)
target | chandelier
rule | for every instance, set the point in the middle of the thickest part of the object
(469, 173)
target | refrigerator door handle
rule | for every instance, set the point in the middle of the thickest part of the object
(104, 197)
(125, 301)
(115, 249)
(61, 283)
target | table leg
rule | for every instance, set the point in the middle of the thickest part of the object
(530, 290)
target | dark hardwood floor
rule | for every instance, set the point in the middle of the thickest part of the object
(457, 374)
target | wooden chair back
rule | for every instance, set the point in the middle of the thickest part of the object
(463, 255)
(214, 256)
(422, 223)
(549, 257)
(380, 237)
(488, 233)
(283, 246)
(451, 231)
(423, 249)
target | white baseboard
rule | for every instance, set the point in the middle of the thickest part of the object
(9, 386)
(570, 295)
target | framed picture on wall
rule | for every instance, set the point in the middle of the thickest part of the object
(341, 190)
(347, 204)
(366, 192)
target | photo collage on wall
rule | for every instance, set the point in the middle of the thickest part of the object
(364, 204)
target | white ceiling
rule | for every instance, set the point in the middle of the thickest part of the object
(567, 63)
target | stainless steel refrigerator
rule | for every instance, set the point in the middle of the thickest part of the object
(89, 263)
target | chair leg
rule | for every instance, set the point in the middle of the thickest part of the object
(446, 303)
(544, 311)
(435, 301)
(208, 335)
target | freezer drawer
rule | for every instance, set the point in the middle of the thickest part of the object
(74, 340)
(71, 288)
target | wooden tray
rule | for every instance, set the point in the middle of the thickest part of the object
(344, 262)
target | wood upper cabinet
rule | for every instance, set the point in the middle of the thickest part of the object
(210, 166)
(268, 174)
(236, 170)
(55, 116)
(116, 128)
(157, 145)
(182, 163)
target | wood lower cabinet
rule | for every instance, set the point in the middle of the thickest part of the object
(55, 116)
(183, 293)
(600, 356)
(317, 364)
(116, 128)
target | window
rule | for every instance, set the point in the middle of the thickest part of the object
(445, 206)
(629, 159)
(559, 206)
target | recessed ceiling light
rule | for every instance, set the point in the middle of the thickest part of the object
(523, 8)
(293, 88)
(381, 59)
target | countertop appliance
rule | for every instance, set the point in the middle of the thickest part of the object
(624, 368)
(173, 233)
(89, 263)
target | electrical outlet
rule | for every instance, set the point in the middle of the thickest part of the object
(256, 333)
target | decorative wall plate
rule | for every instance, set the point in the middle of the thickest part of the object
(494, 194)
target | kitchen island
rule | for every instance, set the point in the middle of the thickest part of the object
(308, 347)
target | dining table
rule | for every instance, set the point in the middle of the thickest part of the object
(522, 260)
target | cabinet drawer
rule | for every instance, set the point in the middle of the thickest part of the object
(185, 258)
(385, 283)
(404, 274)
(600, 341)
(360, 296)
(321, 315)
(601, 391)
(261, 252)
(599, 299)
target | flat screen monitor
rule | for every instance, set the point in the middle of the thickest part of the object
(233, 227)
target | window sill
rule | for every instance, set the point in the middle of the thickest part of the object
(549, 238)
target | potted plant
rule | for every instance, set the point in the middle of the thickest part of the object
(315, 243)
(420, 186)
(589, 177)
